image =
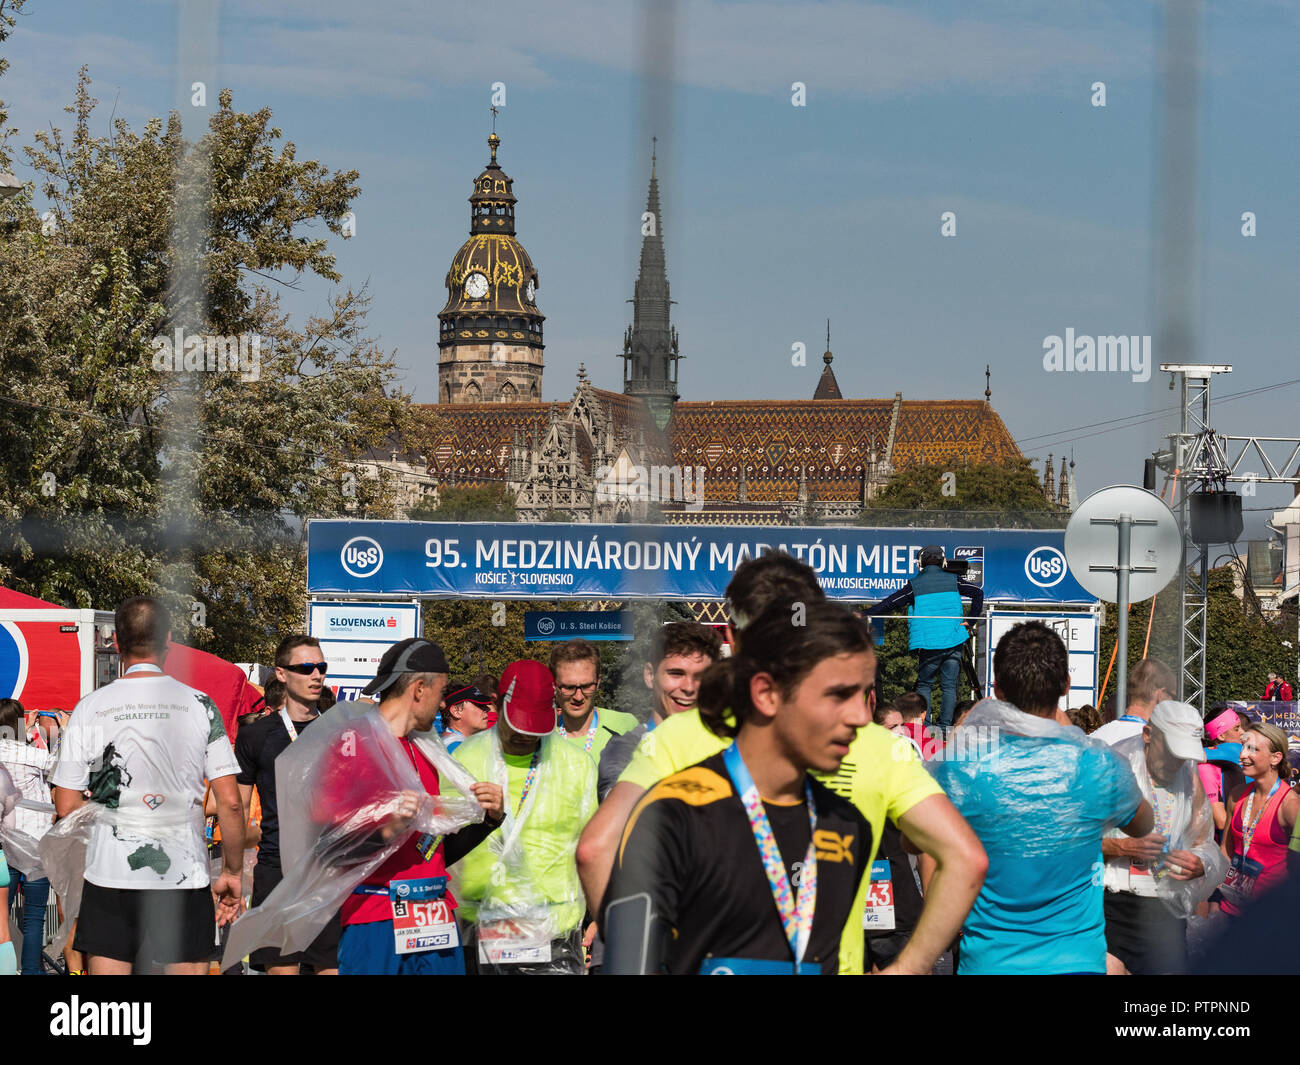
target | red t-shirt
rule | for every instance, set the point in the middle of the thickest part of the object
(350, 783)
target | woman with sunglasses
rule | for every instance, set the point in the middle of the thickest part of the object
(300, 667)
(1261, 816)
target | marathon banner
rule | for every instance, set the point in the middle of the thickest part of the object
(578, 624)
(1285, 716)
(489, 560)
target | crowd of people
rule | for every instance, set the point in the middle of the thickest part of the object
(770, 814)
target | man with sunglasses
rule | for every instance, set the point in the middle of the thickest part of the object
(300, 667)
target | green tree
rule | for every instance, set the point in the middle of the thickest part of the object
(468, 503)
(1012, 486)
(1242, 646)
(123, 476)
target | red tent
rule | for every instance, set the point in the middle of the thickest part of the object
(224, 682)
(11, 600)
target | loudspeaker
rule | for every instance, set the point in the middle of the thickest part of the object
(1149, 475)
(1216, 517)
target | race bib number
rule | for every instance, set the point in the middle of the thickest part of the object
(1239, 884)
(1141, 880)
(512, 943)
(879, 913)
(423, 925)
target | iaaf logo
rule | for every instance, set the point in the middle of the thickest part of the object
(1045, 566)
(361, 556)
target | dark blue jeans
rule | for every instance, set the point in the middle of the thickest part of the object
(36, 893)
(946, 664)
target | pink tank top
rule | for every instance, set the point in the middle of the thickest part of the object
(1268, 847)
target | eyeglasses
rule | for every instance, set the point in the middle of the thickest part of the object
(573, 689)
(306, 669)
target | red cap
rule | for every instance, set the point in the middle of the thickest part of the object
(527, 691)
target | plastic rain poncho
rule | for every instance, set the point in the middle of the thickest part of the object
(335, 787)
(62, 850)
(1191, 828)
(1054, 788)
(521, 884)
(22, 849)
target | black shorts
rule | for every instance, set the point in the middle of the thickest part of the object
(162, 927)
(1144, 935)
(322, 953)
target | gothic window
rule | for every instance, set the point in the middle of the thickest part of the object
(532, 392)
(473, 393)
(507, 393)
(445, 393)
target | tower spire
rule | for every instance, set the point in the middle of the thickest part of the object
(988, 393)
(827, 386)
(650, 351)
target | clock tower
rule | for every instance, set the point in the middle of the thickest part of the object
(490, 331)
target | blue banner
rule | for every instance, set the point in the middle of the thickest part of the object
(1285, 716)
(486, 560)
(578, 624)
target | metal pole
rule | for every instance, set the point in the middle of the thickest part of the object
(1121, 604)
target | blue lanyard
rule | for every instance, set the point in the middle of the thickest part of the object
(651, 723)
(143, 667)
(1130, 717)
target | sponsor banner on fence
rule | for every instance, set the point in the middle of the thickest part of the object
(553, 561)
(575, 624)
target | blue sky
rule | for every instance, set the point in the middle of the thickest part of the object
(775, 216)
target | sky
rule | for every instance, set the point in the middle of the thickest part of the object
(776, 216)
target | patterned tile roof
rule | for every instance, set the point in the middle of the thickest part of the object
(832, 438)
(774, 439)
(473, 444)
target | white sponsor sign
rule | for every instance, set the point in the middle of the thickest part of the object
(1080, 634)
(354, 637)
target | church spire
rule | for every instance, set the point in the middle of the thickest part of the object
(827, 386)
(650, 344)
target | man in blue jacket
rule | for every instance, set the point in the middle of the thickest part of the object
(938, 629)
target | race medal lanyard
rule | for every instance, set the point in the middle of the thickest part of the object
(503, 840)
(531, 778)
(591, 734)
(288, 723)
(1248, 826)
(796, 915)
(426, 843)
(1132, 717)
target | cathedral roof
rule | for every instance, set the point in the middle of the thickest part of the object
(473, 442)
(831, 438)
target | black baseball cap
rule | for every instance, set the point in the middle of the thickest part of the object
(464, 693)
(931, 554)
(406, 656)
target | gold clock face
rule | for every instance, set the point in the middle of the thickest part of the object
(476, 286)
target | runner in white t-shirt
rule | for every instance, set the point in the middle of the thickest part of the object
(1149, 682)
(143, 747)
